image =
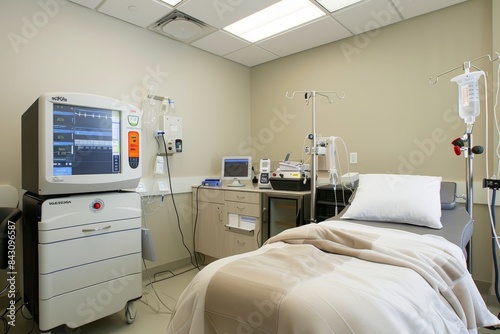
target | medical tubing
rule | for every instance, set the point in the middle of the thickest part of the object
(491, 203)
(496, 119)
(493, 244)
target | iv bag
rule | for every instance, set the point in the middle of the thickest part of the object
(468, 95)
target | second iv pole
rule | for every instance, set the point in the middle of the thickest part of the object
(311, 95)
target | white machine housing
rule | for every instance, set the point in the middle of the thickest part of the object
(79, 143)
(87, 263)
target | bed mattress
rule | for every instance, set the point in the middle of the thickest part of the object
(457, 226)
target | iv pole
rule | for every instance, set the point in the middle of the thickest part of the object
(308, 95)
(469, 150)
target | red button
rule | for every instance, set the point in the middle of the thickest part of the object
(97, 205)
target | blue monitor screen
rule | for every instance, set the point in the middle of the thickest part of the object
(85, 140)
(237, 167)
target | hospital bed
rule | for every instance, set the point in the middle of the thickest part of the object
(384, 267)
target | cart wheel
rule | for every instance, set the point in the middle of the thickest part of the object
(26, 312)
(70, 330)
(130, 312)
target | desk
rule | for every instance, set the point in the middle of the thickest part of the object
(235, 220)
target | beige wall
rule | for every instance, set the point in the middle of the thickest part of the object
(50, 45)
(391, 116)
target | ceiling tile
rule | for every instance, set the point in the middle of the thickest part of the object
(220, 43)
(368, 15)
(139, 12)
(219, 13)
(410, 8)
(311, 35)
(88, 3)
(213, 15)
(251, 56)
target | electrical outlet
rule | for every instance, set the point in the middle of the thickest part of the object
(162, 186)
(353, 158)
(141, 188)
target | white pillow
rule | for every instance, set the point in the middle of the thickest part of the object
(409, 199)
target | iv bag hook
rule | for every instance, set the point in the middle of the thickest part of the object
(465, 66)
(309, 94)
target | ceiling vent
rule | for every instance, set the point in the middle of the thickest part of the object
(182, 27)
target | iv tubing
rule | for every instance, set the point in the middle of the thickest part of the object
(491, 202)
(495, 260)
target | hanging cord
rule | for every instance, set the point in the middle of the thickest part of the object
(494, 242)
(197, 254)
(491, 202)
(175, 206)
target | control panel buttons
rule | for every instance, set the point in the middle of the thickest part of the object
(96, 205)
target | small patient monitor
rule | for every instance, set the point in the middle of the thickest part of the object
(265, 170)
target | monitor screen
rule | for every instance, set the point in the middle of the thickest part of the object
(86, 140)
(80, 143)
(236, 169)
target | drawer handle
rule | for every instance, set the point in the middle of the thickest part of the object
(241, 243)
(96, 229)
(242, 197)
(240, 208)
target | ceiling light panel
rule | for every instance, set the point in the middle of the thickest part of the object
(334, 5)
(274, 19)
(88, 3)
(171, 2)
(221, 13)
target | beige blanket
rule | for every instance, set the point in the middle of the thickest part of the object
(336, 278)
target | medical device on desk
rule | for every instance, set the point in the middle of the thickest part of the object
(291, 175)
(76, 143)
(236, 169)
(264, 174)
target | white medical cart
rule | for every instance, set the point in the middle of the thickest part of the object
(82, 257)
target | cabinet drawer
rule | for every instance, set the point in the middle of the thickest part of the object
(60, 213)
(85, 305)
(242, 196)
(237, 243)
(75, 252)
(210, 195)
(88, 230)
(243, 209)
(63, 281)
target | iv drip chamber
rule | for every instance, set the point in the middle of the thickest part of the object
(468, 95)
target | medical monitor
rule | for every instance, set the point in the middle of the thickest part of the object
(236, 169)
(80, 143)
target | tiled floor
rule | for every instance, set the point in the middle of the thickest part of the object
(495, 309)
(152, 317)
